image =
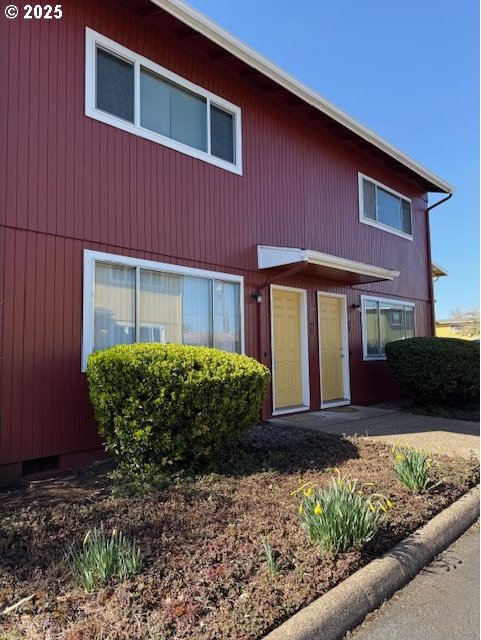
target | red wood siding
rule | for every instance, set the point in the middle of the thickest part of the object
(68, 182)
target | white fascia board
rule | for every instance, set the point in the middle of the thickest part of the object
(200, 23)
(269, 256)
(335, 262)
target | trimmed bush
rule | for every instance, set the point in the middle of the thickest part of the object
(442, 371)
(159, 405)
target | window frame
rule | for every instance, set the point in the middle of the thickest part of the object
(92, 257)
(94, 39)
(376, 223)
(395, 302)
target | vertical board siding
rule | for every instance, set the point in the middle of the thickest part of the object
(68, 182)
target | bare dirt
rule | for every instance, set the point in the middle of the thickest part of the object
(205, 575)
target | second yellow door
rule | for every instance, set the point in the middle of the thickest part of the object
(287, 344)
(331, 346)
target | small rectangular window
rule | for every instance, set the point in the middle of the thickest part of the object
(115, 85)
(385, 321)
(369, 190)
(406, 217)
(160, 307)
(226, 316)
(222, 133)
(197, 312)
(373, 346)
(172, 112)
(385, 208)
(155, 104)
(388, 209)
(114, 312)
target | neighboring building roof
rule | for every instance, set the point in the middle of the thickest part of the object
(438, 270)
(203, 25)
(455, 323)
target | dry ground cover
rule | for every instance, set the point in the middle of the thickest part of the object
(205, 575)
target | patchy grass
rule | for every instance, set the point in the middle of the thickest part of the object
(204, 575)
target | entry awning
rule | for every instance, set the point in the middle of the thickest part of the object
(322, 265)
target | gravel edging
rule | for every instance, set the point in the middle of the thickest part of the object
(332, 615)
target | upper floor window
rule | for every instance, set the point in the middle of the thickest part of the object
(133, 93)
(382, 207)
(383, 321)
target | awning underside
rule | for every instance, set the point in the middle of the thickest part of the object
(322, 265)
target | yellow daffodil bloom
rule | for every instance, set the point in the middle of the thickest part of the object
(318, 509)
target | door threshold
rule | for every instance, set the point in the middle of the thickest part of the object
(335, 403)
(297, 409)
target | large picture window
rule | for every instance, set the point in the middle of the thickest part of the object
(133, 93)
(382, 207)
(384, 321)
(128, 300)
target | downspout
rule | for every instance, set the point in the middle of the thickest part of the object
(430, 266)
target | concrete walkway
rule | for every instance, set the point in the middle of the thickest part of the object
(442, 602)
(438, 435)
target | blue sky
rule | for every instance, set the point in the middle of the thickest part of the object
(407, 70)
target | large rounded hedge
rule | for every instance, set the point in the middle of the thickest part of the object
(442, 371)
(159, 405)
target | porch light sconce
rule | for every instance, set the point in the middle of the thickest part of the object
(356, 307)
(257, 296)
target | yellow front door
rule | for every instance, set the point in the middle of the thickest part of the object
(332, 356)
(287, 344)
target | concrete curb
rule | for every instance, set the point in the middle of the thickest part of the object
(332, 615)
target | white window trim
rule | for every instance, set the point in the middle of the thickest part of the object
(375, 223)
(393, 301)
(92, 39)
(92, 257)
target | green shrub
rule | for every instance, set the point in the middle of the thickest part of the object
(411, 467)
(158, 405)
(442, 371)
(102, 557)
(341, 516)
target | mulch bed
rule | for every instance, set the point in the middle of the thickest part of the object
(204, 576)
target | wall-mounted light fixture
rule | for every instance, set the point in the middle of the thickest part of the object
(257, 296)
(356, 307)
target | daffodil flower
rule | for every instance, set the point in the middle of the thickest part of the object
(318, 509)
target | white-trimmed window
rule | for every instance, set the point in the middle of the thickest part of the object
(383, 321)
(130, 92)
(128, 300)
(384, 208)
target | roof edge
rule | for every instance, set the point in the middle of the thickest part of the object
(201, 23)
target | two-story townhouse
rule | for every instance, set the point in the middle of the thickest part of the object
(161, 181)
